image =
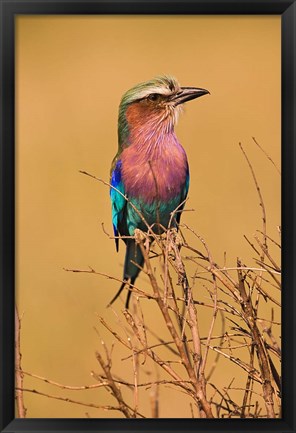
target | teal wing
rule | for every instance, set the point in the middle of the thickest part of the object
(117, 200)
(183, 196)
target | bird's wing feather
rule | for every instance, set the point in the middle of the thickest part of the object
(186, 184)
(183, 196)
(117, 200)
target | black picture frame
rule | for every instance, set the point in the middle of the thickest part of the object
(9, 9)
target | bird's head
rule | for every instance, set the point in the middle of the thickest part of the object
(153, 106)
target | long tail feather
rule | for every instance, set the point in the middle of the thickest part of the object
(128, 297)
(133, 257)
(118, 293)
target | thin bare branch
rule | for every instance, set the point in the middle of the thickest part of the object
(19, 375)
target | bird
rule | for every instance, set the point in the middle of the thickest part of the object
(149, 175)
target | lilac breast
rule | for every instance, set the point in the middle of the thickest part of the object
(155, 170)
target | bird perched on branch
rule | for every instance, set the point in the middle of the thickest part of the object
(149, 174)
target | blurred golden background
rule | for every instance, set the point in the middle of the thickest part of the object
(71, 72)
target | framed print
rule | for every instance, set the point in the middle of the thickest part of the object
(147, 197)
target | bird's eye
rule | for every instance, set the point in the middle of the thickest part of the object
(154, 96)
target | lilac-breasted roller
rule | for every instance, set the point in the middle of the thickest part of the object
(150, 168)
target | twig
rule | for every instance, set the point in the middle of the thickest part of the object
(265, 250)
(266, 154)
(152, 355)
(69, 400)
(215, 310)
(106, 366)
(259, 195)
(261, 353)
(69, 387)
(248, 391)
(19, 375)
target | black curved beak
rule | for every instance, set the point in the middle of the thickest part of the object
(187, 94)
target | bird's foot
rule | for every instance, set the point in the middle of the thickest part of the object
(176, 237)
(139, 235)
(142, 237)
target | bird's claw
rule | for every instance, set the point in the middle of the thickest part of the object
(142, 237)
(176, 237)
(139, 236)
